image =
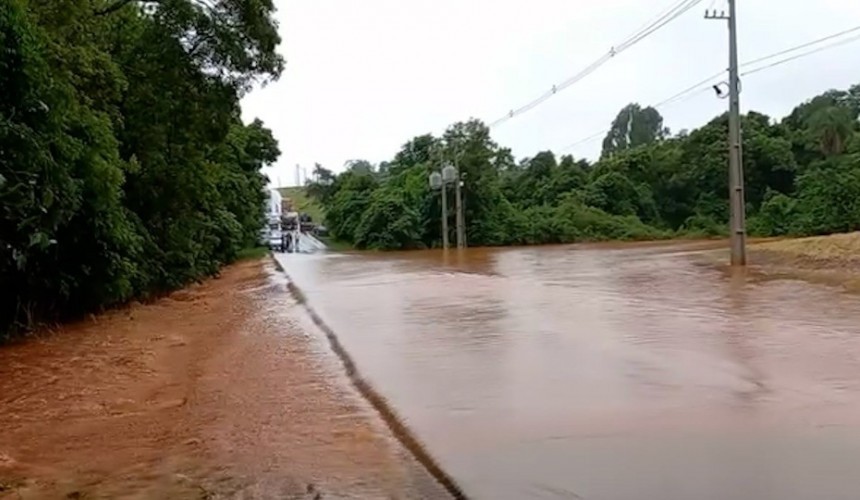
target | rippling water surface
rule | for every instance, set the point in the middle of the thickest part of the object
(605, 372)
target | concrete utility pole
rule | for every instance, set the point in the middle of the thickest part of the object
(736, 169)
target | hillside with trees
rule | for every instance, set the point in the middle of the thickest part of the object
(125, 169)
(802, 177)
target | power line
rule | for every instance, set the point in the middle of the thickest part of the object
(662, 15)
(663, 20)
(668, 15)
(682, 95)
(803, 54)
(802, 46)
(587, 139)
(698, 88)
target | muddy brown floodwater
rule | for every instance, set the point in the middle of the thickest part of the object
(605, 372)
(224, 390)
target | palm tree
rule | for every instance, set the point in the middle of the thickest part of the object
(832, 127)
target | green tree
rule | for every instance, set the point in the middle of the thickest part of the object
(829, 197)
(124, 168)
(351, 196)
(800, 177)
(634, 126)
(832, 127)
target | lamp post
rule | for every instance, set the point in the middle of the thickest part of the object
(461, 216)
(450, 176)
(436, 183)
(441, 181)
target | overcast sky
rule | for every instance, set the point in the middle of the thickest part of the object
(365, 76)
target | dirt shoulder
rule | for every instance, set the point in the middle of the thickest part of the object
(223, 390)
(834, 258)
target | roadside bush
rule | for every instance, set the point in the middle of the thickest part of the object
(703, 226)
(778, 216)
(388, 222)
(801, 176)
(125, 170)
(828, 197)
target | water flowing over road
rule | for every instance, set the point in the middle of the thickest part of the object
(605, 371)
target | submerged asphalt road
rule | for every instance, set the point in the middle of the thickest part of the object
(605, 371)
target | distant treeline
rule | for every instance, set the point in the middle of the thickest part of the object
(802, 177)
(125, 169)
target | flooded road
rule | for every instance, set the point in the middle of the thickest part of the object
(605, 372)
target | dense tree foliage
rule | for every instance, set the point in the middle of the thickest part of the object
(124, 167)
(802, 177)
(634, 126)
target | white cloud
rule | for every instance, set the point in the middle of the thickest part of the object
(363, 77)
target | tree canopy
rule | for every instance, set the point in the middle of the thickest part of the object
(125, 170)
(634, 126)
(801, 176)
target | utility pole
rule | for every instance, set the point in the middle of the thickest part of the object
(736, 172)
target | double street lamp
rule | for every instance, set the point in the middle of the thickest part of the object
(440, 182)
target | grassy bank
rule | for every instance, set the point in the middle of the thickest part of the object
(336, 245)
(252, 253)
(834, 258)
(302, 203)
(834, 249)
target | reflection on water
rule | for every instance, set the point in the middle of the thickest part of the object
(605, 371)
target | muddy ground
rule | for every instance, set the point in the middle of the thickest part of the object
(223, 390)
(833, 259)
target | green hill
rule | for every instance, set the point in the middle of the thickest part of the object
(302, 203)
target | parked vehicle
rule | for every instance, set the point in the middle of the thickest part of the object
(272, 235)
(290, 221)
(275, 235)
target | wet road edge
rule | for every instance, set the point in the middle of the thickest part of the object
(379, 403)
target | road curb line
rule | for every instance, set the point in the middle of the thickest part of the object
(379, 403)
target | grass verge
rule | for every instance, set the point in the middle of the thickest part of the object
(336, 245)
(833, 259)
(303, 203)
(828, 250)
(252, 253)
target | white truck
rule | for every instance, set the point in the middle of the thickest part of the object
(275, 237)
(274, 232)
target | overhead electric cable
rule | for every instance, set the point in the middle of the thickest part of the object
(668, 15)
(706, 84)
(802, 46)
(801, 55)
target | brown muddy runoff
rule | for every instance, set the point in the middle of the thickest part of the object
(605, 371)
(224, 390)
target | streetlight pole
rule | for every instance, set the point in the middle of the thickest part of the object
(450, 176)
(444, 216)
(437, 182)
(461, 221)
(736, 172)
